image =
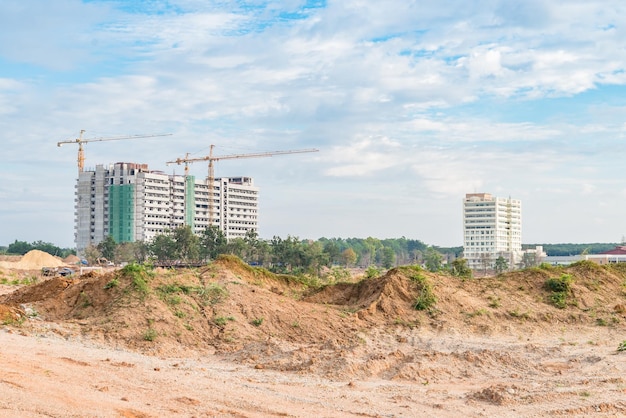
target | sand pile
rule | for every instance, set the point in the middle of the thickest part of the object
(33, 260)
(71, 259)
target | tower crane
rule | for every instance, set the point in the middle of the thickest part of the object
(212, 158)
(80, 141)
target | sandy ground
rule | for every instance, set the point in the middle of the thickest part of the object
(491, 348)
(573, 374)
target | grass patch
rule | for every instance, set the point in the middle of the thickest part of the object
(477, 312)
(139, 274)
(211, 294)
(560, 287)
(257, 322)
(622, 346)
(112, 283)
(494, 302)
(426, 297)
(150, 334)
(223, 320)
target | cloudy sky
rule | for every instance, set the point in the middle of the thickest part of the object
(411, 104)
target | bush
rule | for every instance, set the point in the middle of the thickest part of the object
(560, 284)
(372, 272)
(425, 298)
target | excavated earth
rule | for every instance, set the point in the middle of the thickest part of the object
(228, 340)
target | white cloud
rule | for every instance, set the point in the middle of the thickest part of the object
(430, 100)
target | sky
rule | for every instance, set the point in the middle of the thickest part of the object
(411, 104)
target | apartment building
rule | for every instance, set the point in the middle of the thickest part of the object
(132, 203)
(492, 228)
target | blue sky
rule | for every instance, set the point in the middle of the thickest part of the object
(411, 104)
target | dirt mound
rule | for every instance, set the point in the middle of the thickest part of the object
(387, 297)
(261, 319)
(33, 260)
(71, 259)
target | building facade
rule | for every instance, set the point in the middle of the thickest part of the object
(132, 203)
(492, 228)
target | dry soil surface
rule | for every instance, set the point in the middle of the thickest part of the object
(493, 348)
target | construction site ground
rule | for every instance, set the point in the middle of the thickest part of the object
(227, 340)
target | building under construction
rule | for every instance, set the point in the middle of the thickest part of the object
(132, 203)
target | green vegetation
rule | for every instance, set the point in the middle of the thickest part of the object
(209, 294)
(257, 322)
(372, 272)
(622, 346)
(150, 334)
(22, 247)
(426, 298)
(560, 287)
(112, 283)
(139, 274)
(223, 320)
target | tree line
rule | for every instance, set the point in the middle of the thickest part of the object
(22, 247)
(284, 255)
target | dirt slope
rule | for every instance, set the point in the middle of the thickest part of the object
(484, 344)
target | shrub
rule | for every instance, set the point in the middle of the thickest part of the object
(212, 293)
(559, 286)
(257, 322)
(622, 346)
(139, 274)
(150, 334)
(372, 272)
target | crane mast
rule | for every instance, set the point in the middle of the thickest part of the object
(212, 158)
(80, 141)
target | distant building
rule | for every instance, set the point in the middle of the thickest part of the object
(492, 228)
(616, 255)
(132, 203)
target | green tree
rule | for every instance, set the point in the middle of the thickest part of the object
(433, 260)
(238, 247)
(212, 243)
(187, 244)
(19, 247)
(92, 254)
(388, 257)
(163, 247)
(334, 252)
(460, 268)
(348, 257)
(107, 247)
(501, 265)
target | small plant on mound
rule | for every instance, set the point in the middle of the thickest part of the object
(112, 283)
(222, 320)
(622, 346)
(560, 287)
(257, 322)
(212, 293)
(372, 272)
(337, 275)
(139, 275)
(150, 334)
(426, 298)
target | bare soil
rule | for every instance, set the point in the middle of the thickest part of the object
(227, 340)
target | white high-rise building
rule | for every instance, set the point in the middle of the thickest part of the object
(132, 203)
(492, 228)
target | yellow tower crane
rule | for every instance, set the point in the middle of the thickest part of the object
(212, 158)
(80, 141)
